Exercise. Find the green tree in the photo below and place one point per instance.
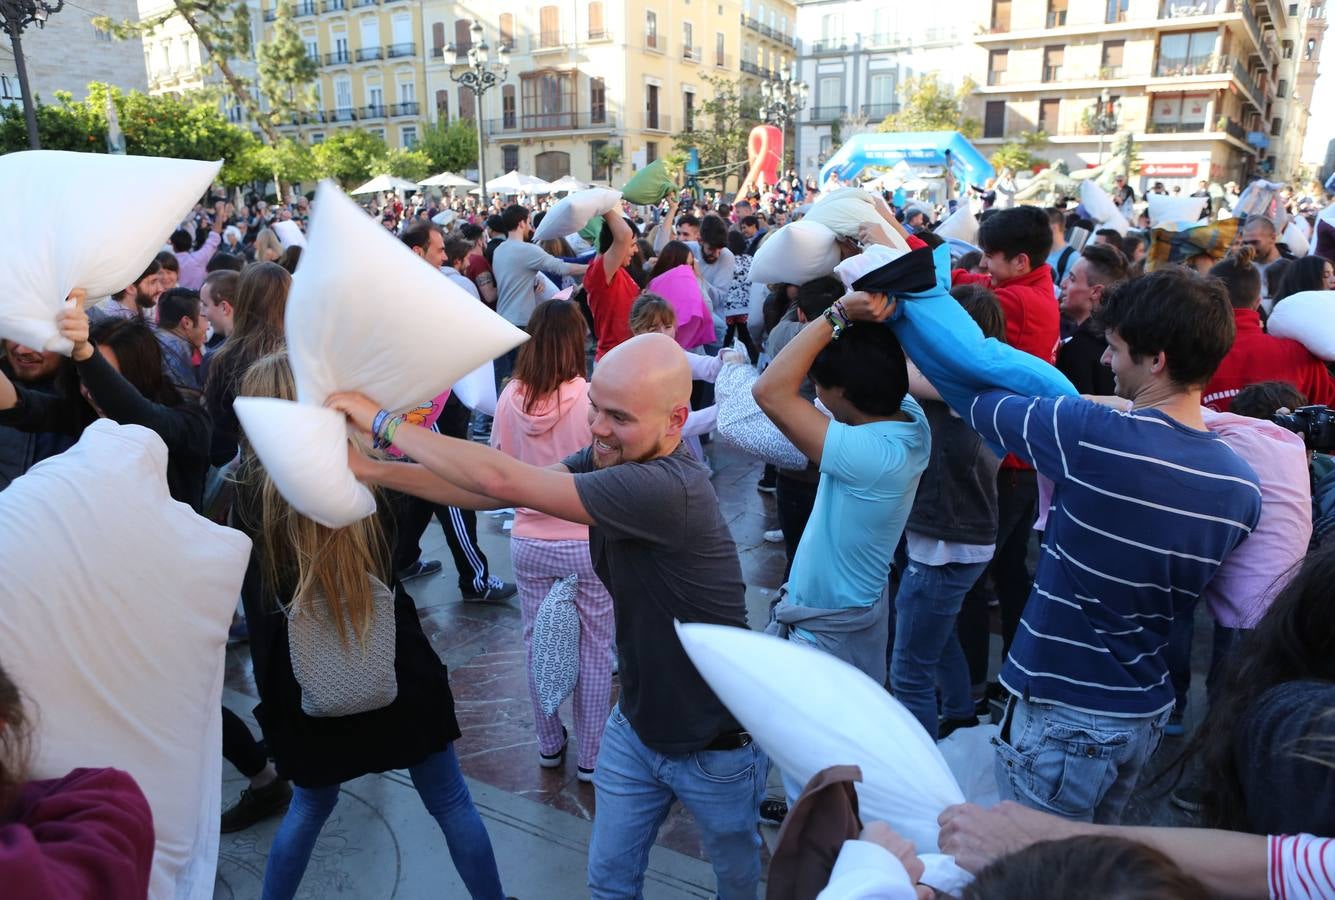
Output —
(286, 74)
(720, 131)
(349, 156)
(413, 165)
(287, 162)
(1019, 153)
(451, 147)
(65, 126)
(929, 105)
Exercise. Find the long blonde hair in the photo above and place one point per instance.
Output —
(333, 562)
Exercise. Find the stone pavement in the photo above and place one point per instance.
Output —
(381, 843)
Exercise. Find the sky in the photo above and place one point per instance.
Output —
(1321, 125)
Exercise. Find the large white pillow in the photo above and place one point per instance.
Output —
(843, 210)
(477, 389)
(1295, 238)
(809, 710)
(1101, 208)
(83, 220)
(1307, 317)
(290, 234)
(795, 254)
(574, 211)
(364, 314)
(117, 600)
(961, 225)
(1178, 210)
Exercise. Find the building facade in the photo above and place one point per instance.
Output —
(855, 56)
(1194, 83)
(1300, 53)
(69, 53)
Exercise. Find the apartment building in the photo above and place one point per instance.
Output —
(1300, 52)
(69, 53)
(855, 55)
(1193, 81)
(584, 76)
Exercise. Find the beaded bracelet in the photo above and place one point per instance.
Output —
(391, 428)
(838, 319)
(378, 424)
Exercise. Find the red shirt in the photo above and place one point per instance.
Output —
(1033, 318)
(1256, 356)
(610, 304)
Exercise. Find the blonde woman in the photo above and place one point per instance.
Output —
(267, 246)
(348, 682)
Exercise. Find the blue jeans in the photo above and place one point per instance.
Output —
(635, 787)
(441, 786)
(1077, 765)
(1181, 636)
(927, 649)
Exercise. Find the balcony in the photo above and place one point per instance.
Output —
(270, 15)
(598, 35)
(367, 54)
(1056, 18)
(1182, 66)
(657, 122)
(307, 8)
(751, 68)
(1175, 128)
(1051, 74)
(547, 42)
(1254, 93)
(409, 108)
(397, 51)
(1190, 9)
(653, 44)
(829, 45)
(338, 58)
(886, 41)
(875, 112)
(691, 54)
(722, 61)
(821, 114)
(314, 57)
(357, 4)
(335, 5)
(996, 78)
(345, 114)
(374, 111)
(557, 121)
(235, 114)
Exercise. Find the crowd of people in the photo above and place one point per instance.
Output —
(1187, 464)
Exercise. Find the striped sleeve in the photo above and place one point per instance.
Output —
(1041, 431)
(1301, 867)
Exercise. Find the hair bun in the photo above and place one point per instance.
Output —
(1244, 255)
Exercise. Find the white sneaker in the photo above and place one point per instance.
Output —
(774, 537)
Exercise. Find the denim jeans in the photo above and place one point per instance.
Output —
(1181, 636)
(441, 786)
(635, 787)
(1077, 765)
(927, 650)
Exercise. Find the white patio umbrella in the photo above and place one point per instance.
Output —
(448, 180)
(514, 183)
(567, 183)
(385, 183)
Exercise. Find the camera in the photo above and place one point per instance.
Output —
(1315, 423)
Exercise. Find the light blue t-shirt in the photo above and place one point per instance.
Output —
(868, 478)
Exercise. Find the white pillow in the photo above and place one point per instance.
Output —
(289, 234)
(1179, 210)
(962, 225)
(114, 624)
(1101, 208)
(445, 217)
(477, 389)
(364, 314)
(869, 260)
(1307, 317)
(55, 235)
(574, 211)
(795, 254)
(741, 422)
(843, 210)
(1295, 238)
(809, 710)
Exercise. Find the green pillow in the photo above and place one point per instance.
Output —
(650, 184)
(591, 231)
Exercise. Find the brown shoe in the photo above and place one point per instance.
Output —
(256, 805)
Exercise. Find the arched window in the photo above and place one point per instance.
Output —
(552, 165)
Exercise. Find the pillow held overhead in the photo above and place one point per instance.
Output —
(289, 234)
(46, 252)
(650, 184)
(795, 254)
(843, 210)
(1101, 207)
(1179, 210)
(1307, 317)
(575, 211)
(379, 321)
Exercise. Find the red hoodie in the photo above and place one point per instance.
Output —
(1256, 356)
(1033, 319)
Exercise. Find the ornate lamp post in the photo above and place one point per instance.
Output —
(475, 72)
(1104, 120)
(781, 98)
(16, 15)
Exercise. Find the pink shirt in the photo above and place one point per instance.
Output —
(193, 262)
(557, 427)
(1250, 577)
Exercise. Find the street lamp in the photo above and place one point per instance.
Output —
(1104, 120)
(781, 98)
(16, 15)
(475, 72)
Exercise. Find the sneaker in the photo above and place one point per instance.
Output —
(773, 812)
(419, 569)
(1175, 726)
(774, 537)
(554, 760)
(1189, 798)
(494, 589)
(768, 484)
(584, 775)
(947, 727)
(256, 805)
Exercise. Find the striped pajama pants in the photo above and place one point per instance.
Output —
(538, 565)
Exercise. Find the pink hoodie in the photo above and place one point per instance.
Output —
(555, 429)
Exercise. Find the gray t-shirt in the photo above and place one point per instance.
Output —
(661, 547)
(515, 264)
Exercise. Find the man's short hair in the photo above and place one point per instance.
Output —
(750, 222)
(457, 250)
(818, 295)
(688, 219)
(224, 262)
(1112, 235)
(154, 267)
(984, 307)
(222, 286)
(496, 223)
(470, 231)
(605, 236)
(1056, 217)
(514, 216)
(868, 363)
(1177, 312)
(418, 235)
(713, 232)
(1264, 224)
(1022, 229)
(181, 240)
(177, 304)
(1105, 263)
(167, 259)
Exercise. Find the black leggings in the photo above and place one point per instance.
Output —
(239, 747)
(743, 335)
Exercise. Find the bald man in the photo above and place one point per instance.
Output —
(661, 547)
